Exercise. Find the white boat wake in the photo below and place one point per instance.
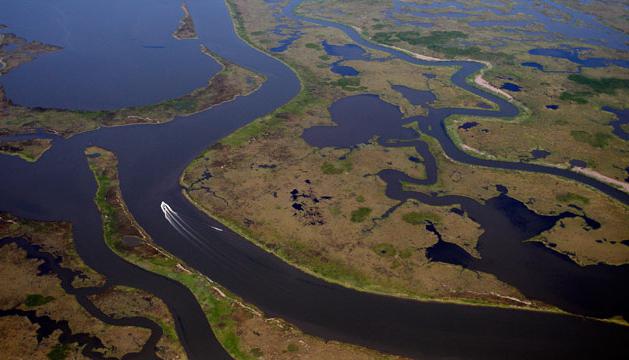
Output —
(178, 223)
(182, 227)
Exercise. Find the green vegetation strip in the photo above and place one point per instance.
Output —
(219, 310)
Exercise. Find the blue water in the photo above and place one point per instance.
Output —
(552, 107)
(416, 97)
(622, 118)
(103, 64)
(346, 52)
(290, 37)
(468, 125)
(534, 65)
(290, 32)
(511, 87)
(573, 55)
(578, 163)
(539, 154)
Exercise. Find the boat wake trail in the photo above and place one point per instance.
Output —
(180, 225)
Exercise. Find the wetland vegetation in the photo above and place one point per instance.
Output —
(340, 247)
(43, 296)
(350, 181)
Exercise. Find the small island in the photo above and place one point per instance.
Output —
(185, 30)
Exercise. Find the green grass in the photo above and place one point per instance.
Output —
(59, 352)
(420, 218)
(33, 300)
(602, 85)
(598, 140)
(257, 352)
(385, 250)
(322, 265)
(572, 198)
(416, 38)
(444, 42)
(303, 101)
(292, 347)
(578, 97)
(360, 214)
(108, 212)
(337, 168)
(313, 46)
(406, 253)
(348, 83)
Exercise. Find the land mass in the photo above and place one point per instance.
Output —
(186, 29)
(41, 272)
(335, 217)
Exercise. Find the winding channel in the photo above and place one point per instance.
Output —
(151, 158)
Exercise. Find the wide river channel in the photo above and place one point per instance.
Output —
(60, 186)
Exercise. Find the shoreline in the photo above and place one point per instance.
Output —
(223, 63)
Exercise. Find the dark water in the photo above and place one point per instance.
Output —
(151, 160)
(107, 60)
(288, 31)
(534, 65)
(578, 163)
(622, 118)
(90, 344)
(468, 125)
(414, 96)
(511, 87)
(552, 107)
(346, 52)
(539, 154)
(574, 55)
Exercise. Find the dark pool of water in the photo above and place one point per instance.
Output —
(534, 65)
(468, 125)
(511, 87)
(539, 154)
(552, 107)
(578, 163)
(415, 159)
